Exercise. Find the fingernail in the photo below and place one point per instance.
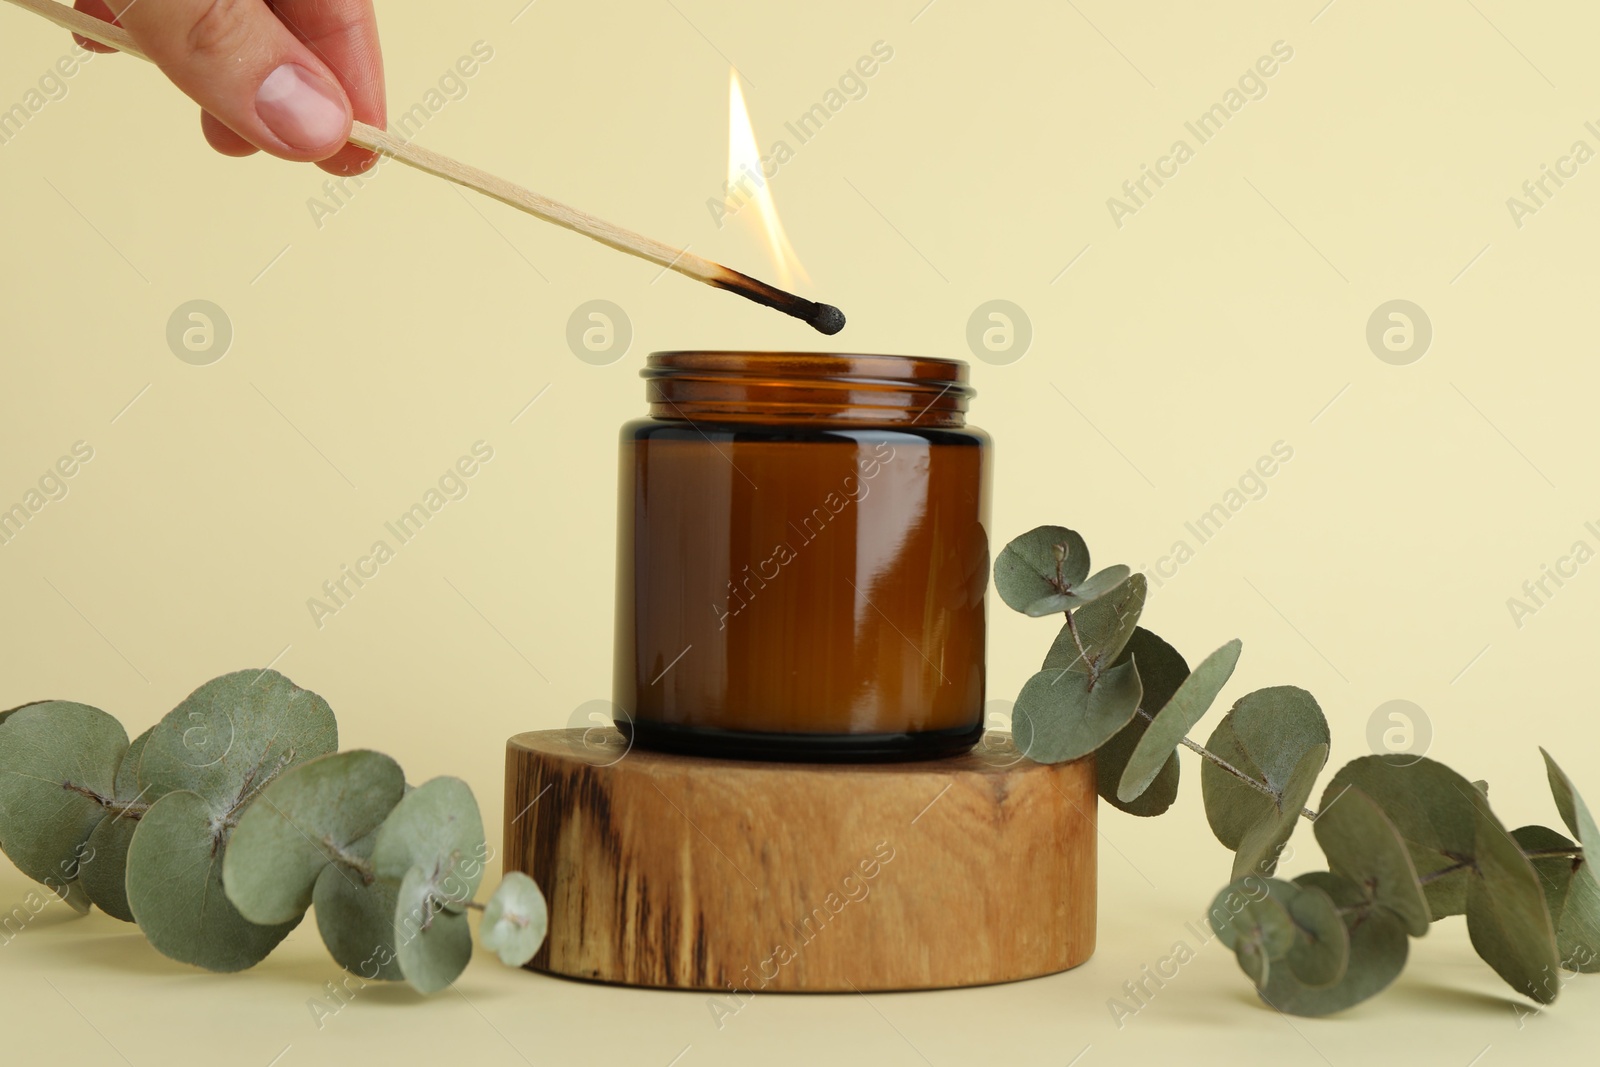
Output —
(304, 111)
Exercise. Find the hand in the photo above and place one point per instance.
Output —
(282, 76)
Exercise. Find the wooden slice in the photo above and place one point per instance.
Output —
(690, 873)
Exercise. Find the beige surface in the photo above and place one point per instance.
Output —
(1221, 318)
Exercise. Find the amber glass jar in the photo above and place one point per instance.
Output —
(802, 558)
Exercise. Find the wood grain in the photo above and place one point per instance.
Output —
(742, 877)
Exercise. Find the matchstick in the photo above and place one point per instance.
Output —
(823, 317)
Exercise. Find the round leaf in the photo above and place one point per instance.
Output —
(1191, 701)
(1507, 918)
(104, 870)
(234, 735)
(1363, 845)
(434, 944)
(356, 920)
(436, 827)
(1265, 734)
(1321, 951)
(1104, 628)
(175, 889)
(58, 766)
(1377, 955)
(307, 818)
(1063, 719)
(1262, 843)
(1035, 567)
(1432, 807)
(1573, 901)
(1574, 813)
(514, 920)
(1161, 671)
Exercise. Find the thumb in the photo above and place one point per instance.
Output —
(239, 62)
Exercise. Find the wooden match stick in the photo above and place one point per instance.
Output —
(824, 317)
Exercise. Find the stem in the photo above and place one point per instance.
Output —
(1553, 853)
(1083, 653)
(1222, 764)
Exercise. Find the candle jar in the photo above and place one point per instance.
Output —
(802, 558)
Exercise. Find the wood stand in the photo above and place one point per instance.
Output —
(689, 873)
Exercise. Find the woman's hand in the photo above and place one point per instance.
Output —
(282, 76)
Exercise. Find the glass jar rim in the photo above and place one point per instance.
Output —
(731, 384)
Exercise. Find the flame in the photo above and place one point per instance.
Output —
(747, 184)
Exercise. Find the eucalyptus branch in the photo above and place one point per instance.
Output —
(1222, 764)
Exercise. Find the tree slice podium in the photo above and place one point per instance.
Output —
(688, 873)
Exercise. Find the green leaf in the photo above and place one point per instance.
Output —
(357, 920)
(58, 766)
(1377, 954)
(73, 896)
(1161, 671)
(1191, 701)
(1104, 628)
(234, 735)
(309, 817)
(1037, 566)
(4, 715)
(175, 888)
(1507, 918)
(436, 827)
(435, 944)
(1432, 807)
(1262, 843)
(1573, 901)
(1058, 718)
(1574, 813)
(514, 920)
(104, 871)
(1363, 845)
(1321, 951)
(1265, 734)
(1251, 921)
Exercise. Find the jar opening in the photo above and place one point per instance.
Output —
(806, 387)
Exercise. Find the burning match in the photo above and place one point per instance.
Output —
(824, 318)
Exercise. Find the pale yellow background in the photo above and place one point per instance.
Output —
(1223, 317)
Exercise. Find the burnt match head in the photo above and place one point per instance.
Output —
(826, 318)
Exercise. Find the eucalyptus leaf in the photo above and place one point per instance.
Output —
(1575, 813)
(73, 896)
(58, 766)
(436, 828)
(307, 818)
(1573, 901)
(1039, 565)
(1104, 628)
(1363, 845)
(1262, 843)
(104, 870)
(1161, 671)
(175, 888)
(233, 736)
(434, 944)
(1253, 922)
(1063, 719)
(357, 919)
(514, 920)
(103, 875)
(1321, 951)
(1377, 954)
(1432, 807)
(1265, 735)
(1172, 724)
(1507, 918)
